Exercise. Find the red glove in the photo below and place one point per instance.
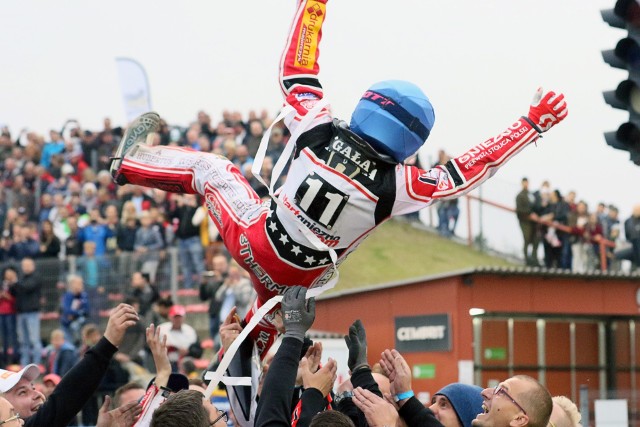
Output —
(547, 110)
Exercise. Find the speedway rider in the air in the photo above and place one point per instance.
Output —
(345, 179)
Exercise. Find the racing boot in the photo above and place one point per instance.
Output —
(136, 134)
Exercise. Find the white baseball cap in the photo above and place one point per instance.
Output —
(8, 379)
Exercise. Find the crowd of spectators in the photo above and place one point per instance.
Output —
(571, 233)
(73, 242)
(297, 385)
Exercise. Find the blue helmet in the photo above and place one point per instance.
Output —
(395, 117)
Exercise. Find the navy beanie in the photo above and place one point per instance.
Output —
(465, 399)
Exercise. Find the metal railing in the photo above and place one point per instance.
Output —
(602, 243)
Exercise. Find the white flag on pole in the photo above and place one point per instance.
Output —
(134, 86)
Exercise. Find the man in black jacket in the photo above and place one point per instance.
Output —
(28, 290)
(190, 248)
(77, 386)
(525, 203)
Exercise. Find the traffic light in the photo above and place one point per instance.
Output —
(626, 55)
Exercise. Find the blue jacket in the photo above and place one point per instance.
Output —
(74, 307)
(65, 358)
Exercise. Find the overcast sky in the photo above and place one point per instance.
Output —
(478, 61)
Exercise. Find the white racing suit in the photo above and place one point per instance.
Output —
(337, 186)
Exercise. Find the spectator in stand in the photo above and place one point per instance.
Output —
(145, 293)
(141, 200)
(112, 220)
(28, 292)
(236, 291)
(105, 182)
(570, 198)
(448, 210)
(96, 231)
(242, 157)
(542, 198)
(55, 145)
(632, 233)
(22, 197)
(147, 245)
(525, 203)
(89, 196)
(580, 238)
(24, 245)
(556, 242)
(95, 272)
(601, 211)
(60, 355)
(106, 143)
(610, 221)
(161, 308)
(75, 309)
(73, 243)
(8, 326)
(180, 335)
(4, 207)
(59, 205)
(161, 200)
(253, 137)
(48, 258)
(276, 144)
(46, 206)
(126, 237)
(190, 251)
(208, 289)
(74, 203)
(594, 234)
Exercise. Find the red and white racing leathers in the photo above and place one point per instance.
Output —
(336, 186)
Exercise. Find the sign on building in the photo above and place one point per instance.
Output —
(423, 333)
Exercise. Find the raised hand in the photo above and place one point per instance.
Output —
(313, 356)
(120, 318)
(547, 109)
(357, 345)
(377, 411)
(230, 329)
(158, 347)
(398, 371)
(123, 416)
(323, 379)
(297, 314)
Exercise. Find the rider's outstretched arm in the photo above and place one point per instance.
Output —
(418, 188)
(299, 66)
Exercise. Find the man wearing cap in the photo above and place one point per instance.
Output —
(49, 383)
(76, 387)
(457, 404)
(180, 336)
